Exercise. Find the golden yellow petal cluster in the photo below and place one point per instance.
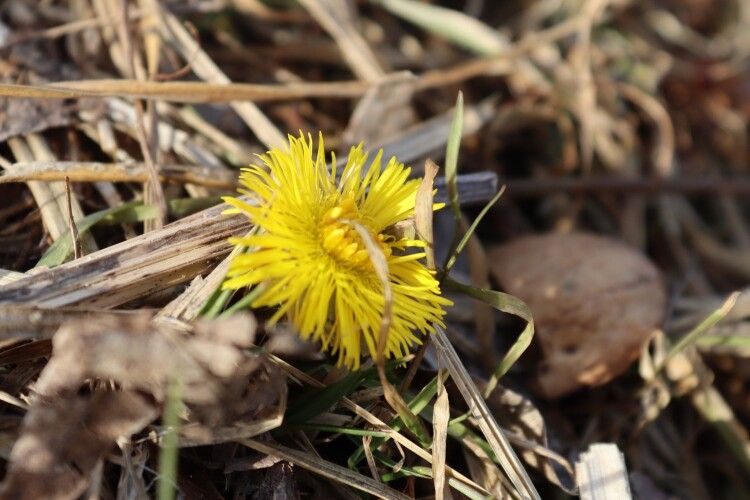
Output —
(313, 264)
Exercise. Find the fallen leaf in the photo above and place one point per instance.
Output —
(63, 438)
(595, 302)
(74, 419)
(525, 422)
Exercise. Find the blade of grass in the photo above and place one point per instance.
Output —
(451, 162)
(216, 303)
(705, 325)
(62, 250)
(455, 26)
(739, 342)
(244, 302)
(453, 255)
(423, 472)
(335, 429)
(508, 304)
(316, 402)
(170, 441)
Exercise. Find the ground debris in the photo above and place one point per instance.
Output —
(108, 379)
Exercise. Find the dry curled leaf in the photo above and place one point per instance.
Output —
(595, 302)
(64, 438)
(74, 420)
(529, 434)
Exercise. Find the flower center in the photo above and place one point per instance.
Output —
(340, 238)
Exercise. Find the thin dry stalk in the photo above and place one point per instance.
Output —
(152, 189)
(440, 416)
(79, 171)
(52, 215)
(380, 264)
(510, 463)
(366, 442)
(325, 469)
(423, 211)
(205, 68)
(71, 222)
(186, 92)
(335, 17)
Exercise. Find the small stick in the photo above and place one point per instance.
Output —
(71, 222)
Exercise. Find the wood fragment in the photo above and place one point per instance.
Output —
(134, 268)
(602, 475)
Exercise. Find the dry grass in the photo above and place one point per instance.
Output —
(125, 372)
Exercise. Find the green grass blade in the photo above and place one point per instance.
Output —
(453, 255)
(451, 158)
(336, 429)
(135, 211)
(416, 405)
(464, 31)
(216, 302)
(509, 304)
(62, 249)
(422, 472)
(168, 457)
(245, 301)
(705, 325)
(316, 402)
(739, 342)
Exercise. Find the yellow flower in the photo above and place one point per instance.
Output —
(312, 262)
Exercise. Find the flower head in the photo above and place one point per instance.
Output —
(314, 265)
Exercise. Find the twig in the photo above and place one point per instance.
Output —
(186, 92)
(521, 188)
(153, 192)
(342, 29)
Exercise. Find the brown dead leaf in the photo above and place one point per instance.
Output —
(525, 421)
(24, 116)
(229, 394)
(595, 303)
(64, 438)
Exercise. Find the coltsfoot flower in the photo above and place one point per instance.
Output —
(313, 264)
